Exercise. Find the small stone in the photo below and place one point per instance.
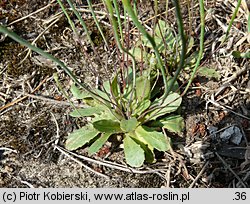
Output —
(226, 135)
(232, 134)
(237, 136)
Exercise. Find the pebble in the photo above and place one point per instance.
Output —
(232, 134)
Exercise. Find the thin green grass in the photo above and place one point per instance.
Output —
(129, 9)
(72, 25)
(97, 23)
(200, 55)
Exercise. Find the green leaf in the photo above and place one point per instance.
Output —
(85, 112)
(141, 107)
(80, 137)
(238, 54)
(175, 87)
(142, 91)
(127, 92)
(152, 138)
(107, 115)
(142, 88)
(114, 86)
(170, 104)
(149, 153)
(191, 60)
(128, 125)
(106, 86)
(208, 72)
(170, 40)
(99, 143)
(129, 75)
(134, 154)
(107, 126)
(79, 94)
(139, 54)
(160, 28)
(146, 42)
(174, 123)
(103, 95)
(190, 44)
(91, 102)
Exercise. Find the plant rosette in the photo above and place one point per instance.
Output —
(147, 114)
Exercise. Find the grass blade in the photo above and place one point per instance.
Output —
(96, 22)
(202, 17)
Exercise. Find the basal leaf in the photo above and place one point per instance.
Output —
(139, 54)
(106, 86)
(114, 86)
(104, 95)
(190, 44)
(127, 92)
(175, 87)
(85, 112)
(191, 60)
(164, 32)
(134, 154)
(146, 42)
(152, 138)
(91, 102)
(141, 107)
(160, 28)
(208, 72)
(170, 104)
(173, 123)
(107, 126)
(106, 115)
(128, 125)
(79, 94)
(160, 44)
(142, 88)
(80, 137)
(99, 143)
(148, 152)
(129, 76)
(170, 40)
